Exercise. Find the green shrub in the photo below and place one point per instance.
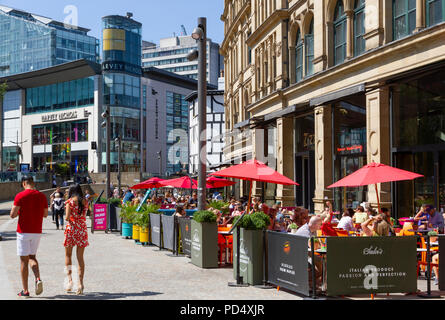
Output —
(255, 221)
(204, 216)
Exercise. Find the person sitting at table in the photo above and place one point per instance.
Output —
(238, 211)
(326, 228)
(345, 222)
(435, 260)
(304, 217)
(180, 212)
(422, 216)
(309, 230)
(360, 215)
(379, 226)
(435, 219)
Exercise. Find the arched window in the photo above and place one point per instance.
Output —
(339, 33)
(404, 17)
(435, 12)
(309, 49)
(299, 58)
(359, 27)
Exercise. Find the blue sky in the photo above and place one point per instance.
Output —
(160, 18)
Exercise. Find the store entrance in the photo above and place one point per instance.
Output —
(409, 196)
(305, 176)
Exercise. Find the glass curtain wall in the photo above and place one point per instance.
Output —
(418, 122)
(122, 60)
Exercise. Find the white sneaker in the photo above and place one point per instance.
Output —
(39, 287)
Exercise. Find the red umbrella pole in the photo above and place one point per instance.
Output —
(377, 194)
(250, 198)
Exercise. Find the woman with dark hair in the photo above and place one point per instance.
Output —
(76, 234)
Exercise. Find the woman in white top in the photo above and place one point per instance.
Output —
(346, 220)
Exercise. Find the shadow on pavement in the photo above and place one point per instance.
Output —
(103, 296)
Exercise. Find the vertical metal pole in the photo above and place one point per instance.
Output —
(108, 151)
(202, 114)
(119, 166)
(314, 279)
(428, 266)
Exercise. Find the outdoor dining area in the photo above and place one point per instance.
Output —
(361, 251)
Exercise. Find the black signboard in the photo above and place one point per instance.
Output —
(155, 225)
(288, 261)
(366, 265)
(185, 226)
(168, 232)
(441, 263)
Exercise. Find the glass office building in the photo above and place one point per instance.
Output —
(177, 132)
(31, 42)
(121, 66)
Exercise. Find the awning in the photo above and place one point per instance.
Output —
(251, 121)
(74, 70)
(337, 95)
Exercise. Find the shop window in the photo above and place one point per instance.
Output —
(359, 27)
(309, 49)
(419, 112)
(349, 137)
(299, 58)
(404, 18)
(339, 33)
(435, 12)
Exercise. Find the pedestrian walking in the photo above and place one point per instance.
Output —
(30, 206)
(58, 206)
(76, 235)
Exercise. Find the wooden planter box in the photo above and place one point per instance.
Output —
(204, 245)
(251, 258)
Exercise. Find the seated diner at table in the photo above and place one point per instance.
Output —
(360, 215)
(346, 220)
(379, 226)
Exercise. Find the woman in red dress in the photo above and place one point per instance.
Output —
(76, 234)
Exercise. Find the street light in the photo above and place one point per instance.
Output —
(118, 141)
(200, 35)
(106, 124)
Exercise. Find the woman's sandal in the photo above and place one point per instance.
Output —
(69, 287)
(79, 291)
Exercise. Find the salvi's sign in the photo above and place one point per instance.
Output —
(365, 265)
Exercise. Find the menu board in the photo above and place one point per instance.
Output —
(100, 217)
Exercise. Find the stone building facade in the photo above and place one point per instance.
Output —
(319, 88)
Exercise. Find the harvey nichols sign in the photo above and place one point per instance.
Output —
(60, 116)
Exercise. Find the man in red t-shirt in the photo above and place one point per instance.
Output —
(31, 206)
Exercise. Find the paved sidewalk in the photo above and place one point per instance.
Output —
(120, 269)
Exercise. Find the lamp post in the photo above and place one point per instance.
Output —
(106, 124)
(200, 35)
(119, 147)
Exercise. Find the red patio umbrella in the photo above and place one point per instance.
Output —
(375, 173)
(254, 170)
(214, 183)
(149, 184)
(180, 183)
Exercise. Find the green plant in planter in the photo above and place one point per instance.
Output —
(204, 216)
(142, 219)
(128, 213)
(255, 221)
(219, 205)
